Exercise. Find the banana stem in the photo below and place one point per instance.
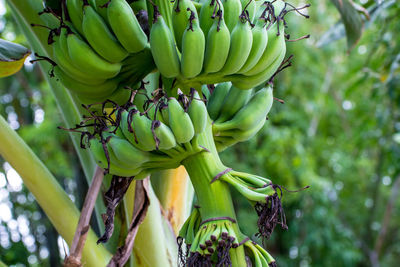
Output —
(214, 198)
(49, 194)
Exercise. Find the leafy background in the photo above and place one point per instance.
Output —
(338, 131)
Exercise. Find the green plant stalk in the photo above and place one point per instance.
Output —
(49, 194)
(24, 14)
(214, 198)
(155, 243)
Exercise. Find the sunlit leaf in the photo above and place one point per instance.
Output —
(351, 19)
(12, 57)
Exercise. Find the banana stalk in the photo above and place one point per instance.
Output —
(49, 194)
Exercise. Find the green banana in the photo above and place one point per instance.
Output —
(120, 96)
(260, 41)
(166, 138)
(165, 114)
(86, 90)
(98, 152)
(83, 57)
(214, 104)
(250, 115)
(233, 102)
(141, 126)
(180, 18)
(179, 122)
(193, 45)
(208, 13)
(100, 6)
(63, 61)
(233, 9)
(127, 153)
(247, 82)
(276, 43)
(251, 7)
(75, 13)
(218, 43)
(125, 26)
(100, 38)
(163, 48)
(240, 135)
(241, 42)
(198, 113)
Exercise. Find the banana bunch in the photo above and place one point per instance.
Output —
(99, 49)
(204, 238)
(237, 114)
(152, 133)
(242, 41)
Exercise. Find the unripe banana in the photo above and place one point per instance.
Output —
(179, 122)
(98, 152)
(180, 18)
(127, 153)
(100, 90)
(216, 100)
(260, 41)
(247, 82)
(251, 7)
(166, 139)
(100, 6)
(218, 43)
(193, 45)
(64, 62)
(208, 14)
(233, 102)
(275, 43)
(241, 41)
(82, 56)
(120, 96)
(232, 11)
(198, 113)
(75, 13)
(163, 48)
(100, 37)
(125, 26)
(251, 114)
(141, 126)
(165, 114)
(241, 136)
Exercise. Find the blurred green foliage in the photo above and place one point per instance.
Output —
(338, 131)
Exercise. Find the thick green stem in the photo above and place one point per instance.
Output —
(49, 194)
(214, 198)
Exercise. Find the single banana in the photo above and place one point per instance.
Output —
(240, 135)
(75, 13)
(260, 41)
(179, 122)
(96, 147)
(251, 114)
(142, 128)
(247, 82)
(217, 97)
(83, 57)
(241, 42)
(208, 13)
(86, 90)
(99, 36)
(127, 153)
(250, 6)
(193, 45)
(218, 43)
(164, 135)
(180, 18)
(233, 102)
(125, 26)
(163, 48)
(198, 113)
(232, 11)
